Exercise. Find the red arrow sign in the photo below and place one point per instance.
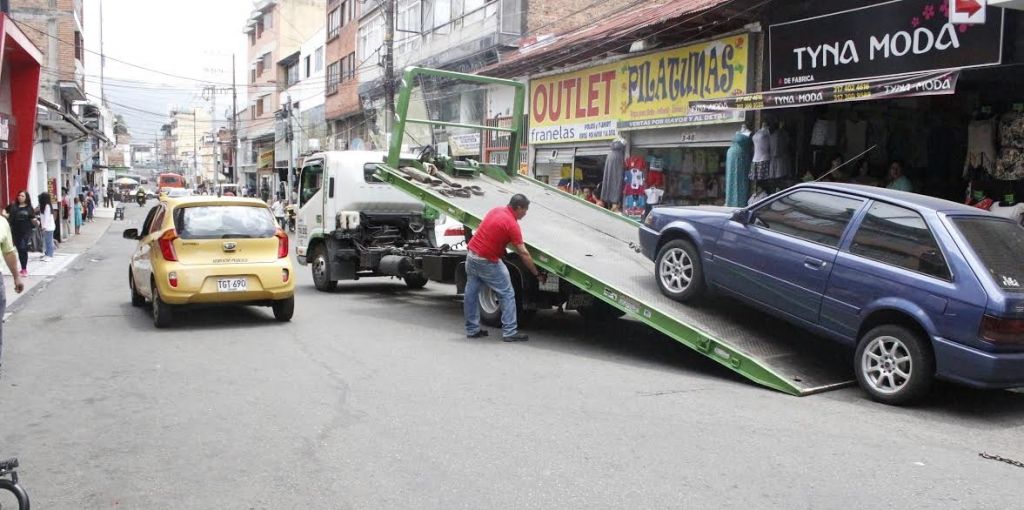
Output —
(968, 6)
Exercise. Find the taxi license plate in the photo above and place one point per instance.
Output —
(232, 285)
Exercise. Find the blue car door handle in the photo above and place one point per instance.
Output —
(813, 263)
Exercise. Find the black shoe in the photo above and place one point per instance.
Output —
(479, 334)
(518, 337)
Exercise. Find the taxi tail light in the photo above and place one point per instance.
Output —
(282, 244)
(1002, 331)
(166, 243)
(172, 278)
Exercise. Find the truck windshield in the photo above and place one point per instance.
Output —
(999, 244)
(224, 222)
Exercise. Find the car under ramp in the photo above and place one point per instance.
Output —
(595, 250)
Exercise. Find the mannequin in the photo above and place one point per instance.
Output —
(761, 164)
(737, 168)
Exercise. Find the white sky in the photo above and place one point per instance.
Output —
(193, 39)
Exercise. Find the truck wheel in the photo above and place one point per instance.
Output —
(894, 364)
(490, 309)
(600, 312)
(321, 270)
(415, 280)
(679, 271)
(284, 309)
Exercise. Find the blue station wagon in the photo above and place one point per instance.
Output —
(921, 287)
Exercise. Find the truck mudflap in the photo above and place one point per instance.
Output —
(595, 250)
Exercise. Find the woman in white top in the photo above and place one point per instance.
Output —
(278, 209)
(48, 223)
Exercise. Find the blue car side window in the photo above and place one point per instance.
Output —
(816, 217)
(899, 237)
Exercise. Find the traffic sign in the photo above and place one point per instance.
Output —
(968, 12)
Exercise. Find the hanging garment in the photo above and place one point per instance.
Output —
(634, 182)
(782, 159)
(762, 145)
(1011, 130)
(856, 138)
(737, 170)
(824, 133)
(614, 166)
(1010, 164)
(981, 147)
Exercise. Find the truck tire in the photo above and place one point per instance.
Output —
(490, 308)
(415, 280)
(894, 364)
(679, 271)
(321, 269)
(600, 312)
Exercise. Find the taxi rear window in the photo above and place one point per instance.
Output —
(224, 222)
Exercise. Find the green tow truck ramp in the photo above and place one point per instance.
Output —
(594, 249)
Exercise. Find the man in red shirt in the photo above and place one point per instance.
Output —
(484, 266)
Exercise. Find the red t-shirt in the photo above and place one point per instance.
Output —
(499, 229)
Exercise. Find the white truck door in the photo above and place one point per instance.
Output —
(310, 220)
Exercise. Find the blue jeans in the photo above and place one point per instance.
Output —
(480, 271)
(48, 243)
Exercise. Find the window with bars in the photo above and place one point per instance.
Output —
(333, 77)
(333, 23)
(348, 67)
(293, 74)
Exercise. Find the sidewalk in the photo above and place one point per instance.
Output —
(41, 272)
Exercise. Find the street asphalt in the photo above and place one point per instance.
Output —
(372, 397)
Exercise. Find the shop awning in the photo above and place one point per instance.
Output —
(921, 84)
(616, 34)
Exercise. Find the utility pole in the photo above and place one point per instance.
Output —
(234, 124)
(195, 147)
(389, 67)
(289, 137)
(103, 60)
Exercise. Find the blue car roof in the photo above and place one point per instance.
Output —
(912, 200)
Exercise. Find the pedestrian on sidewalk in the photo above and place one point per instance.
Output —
(8, 249)
(65, 215)
(78, 215)
(23, 222)
(90, 205)
(49, 225)
(484, 266)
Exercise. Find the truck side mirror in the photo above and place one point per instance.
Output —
(741, 216)
(131, 233)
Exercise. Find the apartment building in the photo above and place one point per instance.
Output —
(275, 29)
(344, 112)
(69, 150)
(457, 35)
(192, 147)
(301, 129)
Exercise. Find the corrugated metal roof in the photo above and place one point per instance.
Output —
(616, 34)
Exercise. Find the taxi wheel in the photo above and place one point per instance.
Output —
(162, 312)
(284, 309)
(137, 299)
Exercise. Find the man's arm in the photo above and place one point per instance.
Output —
(524, 255)
(11, 258)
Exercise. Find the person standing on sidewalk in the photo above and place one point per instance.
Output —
(90, 205)
(22, 218)
(78, 215)
(49, 224)
(484, 266)
(8, 250)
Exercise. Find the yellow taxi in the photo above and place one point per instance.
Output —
(205, 250)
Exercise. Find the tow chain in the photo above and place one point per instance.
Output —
(1001, 459)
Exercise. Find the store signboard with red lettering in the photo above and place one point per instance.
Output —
(887, 39)
(649, 91)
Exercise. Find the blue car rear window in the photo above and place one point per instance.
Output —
(1000, 246)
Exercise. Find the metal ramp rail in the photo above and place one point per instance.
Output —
(592, 248)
